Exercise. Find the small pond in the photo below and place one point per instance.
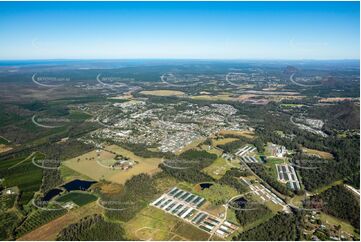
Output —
(240, 202)
(78, 185)
(205, 185)
(52, 193)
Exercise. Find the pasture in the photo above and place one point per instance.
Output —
(94, 164)
(154, 224)
(219, 167)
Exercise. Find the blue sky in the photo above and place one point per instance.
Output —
(201, 30)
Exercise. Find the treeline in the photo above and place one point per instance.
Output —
(135, 195)
(346, 164)
(92, 228)
(315, 172)
(261, 172)
(251, 213)
(231, 178)
(280, 227)
(339, 202)
(233, 146)
(340, 116)
(142, 150)
(189, 165)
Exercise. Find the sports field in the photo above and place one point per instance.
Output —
(94, 164)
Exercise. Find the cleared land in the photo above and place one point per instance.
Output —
(224, 141)
(87, 164)
(50, 230)
(335, 221)
(244, 133)
(154, 224)
(163, 93)
(4, 148)
(219, 167)
(322, 154)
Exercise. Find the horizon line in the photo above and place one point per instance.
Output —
(199, 59)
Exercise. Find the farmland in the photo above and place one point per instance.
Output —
(88, 164)
(50, 230)
(154, 224)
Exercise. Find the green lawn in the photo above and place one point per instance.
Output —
(79, 198)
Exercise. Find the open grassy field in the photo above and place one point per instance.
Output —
(243, 133)
(162, 93)
(68, 174)
(223, 141)
(219, 167)
(79, 198)
(87, 164)
(212, 150)
(154, 224)
(331, 220)
(192, 145)
(322, 154)
(50, 230)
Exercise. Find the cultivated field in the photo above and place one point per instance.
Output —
(88, 165)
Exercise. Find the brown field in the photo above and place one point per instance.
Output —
(322, 154)
(4, 148)
(163, 93)
(216, 142)
(244, 133)
(335, 99)
(50, 230)
(109, 188)
(87, 165)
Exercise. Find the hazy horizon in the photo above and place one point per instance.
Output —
(180, 30)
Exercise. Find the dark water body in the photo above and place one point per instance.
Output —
(240, 202)
(52, 193)
(263, 158)
(78, 185)
(205, 185)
